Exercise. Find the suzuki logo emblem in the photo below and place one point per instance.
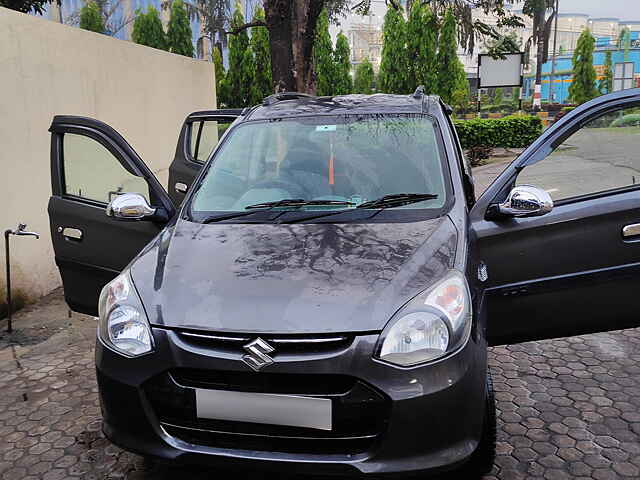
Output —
(257, 354)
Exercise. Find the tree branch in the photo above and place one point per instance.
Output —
(257, 23)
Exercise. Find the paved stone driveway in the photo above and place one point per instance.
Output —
(568, 408)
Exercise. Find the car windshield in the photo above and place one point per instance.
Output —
(346, 161)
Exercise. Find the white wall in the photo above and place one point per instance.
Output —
(46, 69)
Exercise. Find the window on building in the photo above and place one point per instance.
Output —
(623, 76)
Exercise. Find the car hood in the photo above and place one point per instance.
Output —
(297, 278)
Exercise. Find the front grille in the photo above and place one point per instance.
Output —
(283, 344)
(318, 385)
(360, 412)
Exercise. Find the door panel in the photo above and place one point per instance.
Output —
(200, 134)
(571, 271)
(91, 163)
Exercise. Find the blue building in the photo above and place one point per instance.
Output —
(626, 72)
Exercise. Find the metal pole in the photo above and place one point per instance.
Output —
(6, 249)
(553, 58)
(20, 231)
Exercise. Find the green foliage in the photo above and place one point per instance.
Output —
(498, 97)
(632, 120)
(393, 65)
(624, 42)
(461, 92)
(147, 29)
(605, 84)
(363, 82)
(447, 59)
(179, 30)
(583, 87)
(343, 85)
(222, 95)
(247, 77)
(28, 6)
(237, 75)
(263, 83)
(324, 65)
(422, 43)
(91, 18)
(515, 131)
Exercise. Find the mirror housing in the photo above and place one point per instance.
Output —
(130, 206)
(526, 201)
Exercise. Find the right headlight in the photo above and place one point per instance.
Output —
(433, 324)
(123, 324)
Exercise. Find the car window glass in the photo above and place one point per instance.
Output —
(602, 155)
(92, 172)
(352, 158)
(205, 135)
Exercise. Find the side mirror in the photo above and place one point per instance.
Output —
(130, 206)
(526, 201)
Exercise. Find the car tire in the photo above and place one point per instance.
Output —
(482, 459)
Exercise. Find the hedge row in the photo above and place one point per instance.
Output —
(632, 120)
(515, 131)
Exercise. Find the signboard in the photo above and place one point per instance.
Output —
(500, 72)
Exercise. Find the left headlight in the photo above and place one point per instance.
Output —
(433, 324)
(123, 324)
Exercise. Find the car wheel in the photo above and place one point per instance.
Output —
(482, 459)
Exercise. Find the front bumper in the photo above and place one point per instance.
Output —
(429, 419)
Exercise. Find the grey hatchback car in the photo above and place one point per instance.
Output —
(318, 291)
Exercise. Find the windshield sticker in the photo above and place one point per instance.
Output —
(325, 128)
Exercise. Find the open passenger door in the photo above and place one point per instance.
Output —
(200, 134)
(91, 164)
(574, 269)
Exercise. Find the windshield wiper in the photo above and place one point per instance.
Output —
(398, 200)
(262, 207)
(298, 202)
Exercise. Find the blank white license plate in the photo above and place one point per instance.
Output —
(266, 408)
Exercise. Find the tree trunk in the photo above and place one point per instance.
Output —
(292, 27)
(539, 24)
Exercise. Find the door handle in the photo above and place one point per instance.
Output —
(181, 187)
(631, 230)
(71, 233)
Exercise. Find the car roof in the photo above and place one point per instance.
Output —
(294, 104)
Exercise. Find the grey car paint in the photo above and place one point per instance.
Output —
(299, 278)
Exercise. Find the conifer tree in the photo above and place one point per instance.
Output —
(147, 29)
(583, 87)
(324, 64)
(461, 92)
(222, 96)
(344, 84)
(422, 44)
(91, 18)
(363, 82)
(238, 88)
(179, 30)
(447, 58)
(605, 85)
(262, 57)
(393, 76)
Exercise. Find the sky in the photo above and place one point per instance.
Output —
(622, 9)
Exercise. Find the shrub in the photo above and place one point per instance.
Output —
(515, 131)
(632, 120)
(478, 154)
